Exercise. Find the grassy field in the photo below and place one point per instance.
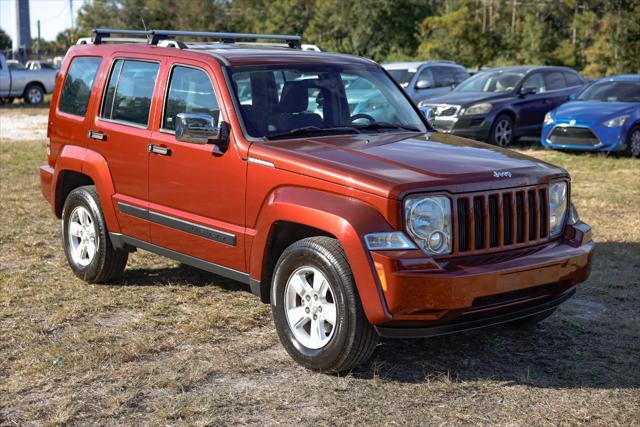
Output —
(170, 345)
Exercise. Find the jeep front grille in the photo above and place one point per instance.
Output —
(498, 220)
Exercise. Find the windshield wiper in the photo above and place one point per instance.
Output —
(311, 129)
(384, 125)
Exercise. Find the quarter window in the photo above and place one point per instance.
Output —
(190, 91)
(130, 90)
(77, 86)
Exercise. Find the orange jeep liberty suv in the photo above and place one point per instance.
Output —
(312, 178)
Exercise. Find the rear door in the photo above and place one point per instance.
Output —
(557, 91)
(196, 197)
(121, 134)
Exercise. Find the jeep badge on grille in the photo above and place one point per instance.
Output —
(505, 174)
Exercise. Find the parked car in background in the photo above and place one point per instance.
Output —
(18, 82)
(502, 104)
(425, 80)
(605, 116)
(40, 65)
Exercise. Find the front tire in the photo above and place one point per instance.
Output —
(502, 131)
(633, 145)
(316, 307)
(85, 238)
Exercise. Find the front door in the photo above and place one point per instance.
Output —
(196, 197)
(532, 107)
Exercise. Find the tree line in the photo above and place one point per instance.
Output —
(596, 37)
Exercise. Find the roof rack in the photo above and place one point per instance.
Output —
(154, 37)
(99, 34)
(157, 35)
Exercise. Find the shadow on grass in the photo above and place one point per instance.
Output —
(183, 275)
(568, 350)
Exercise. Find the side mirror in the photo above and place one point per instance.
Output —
(200, 128)
(423, 84)
(528, 91)
(573, 97)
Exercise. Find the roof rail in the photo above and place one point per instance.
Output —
(157, 35)
(105, 33)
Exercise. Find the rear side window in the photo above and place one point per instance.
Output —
(129, 92)
(444, 76)
(573, 79)
(190, 91)
(554, 80)
(77, 86)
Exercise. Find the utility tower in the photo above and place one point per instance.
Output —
(22, 41)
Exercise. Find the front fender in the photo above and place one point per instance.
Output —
(90, 163)
(346, 218)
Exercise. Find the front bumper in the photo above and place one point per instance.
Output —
(598, 137)
(473, 127)
(441, 296)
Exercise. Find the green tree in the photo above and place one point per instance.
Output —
(5, 40)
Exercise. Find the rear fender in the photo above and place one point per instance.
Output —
(346, 218)
(92, 164)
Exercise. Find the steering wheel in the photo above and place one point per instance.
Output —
(362, 116)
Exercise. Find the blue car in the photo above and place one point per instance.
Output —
(605, 116)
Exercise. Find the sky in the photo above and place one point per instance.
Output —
(54, 16)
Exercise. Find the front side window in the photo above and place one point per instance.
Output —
(402, 75)
(612, 91)
(77, 86)
(279, 101)
(426, 75)
(535, 82)
(129, 91)
(190, 91)
(491, 81)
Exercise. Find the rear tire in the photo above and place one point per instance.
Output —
(502, 131)
(313, 279)
(85, 238)
(633, 145)
(33, 94)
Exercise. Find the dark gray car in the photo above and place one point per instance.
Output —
(425, 80)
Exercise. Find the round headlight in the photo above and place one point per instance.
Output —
(429, 223)
(557, 206)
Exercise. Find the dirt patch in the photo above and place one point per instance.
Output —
(15, 126)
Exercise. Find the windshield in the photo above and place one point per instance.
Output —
(403, 77)
(612, 92)
(491, 81)
(297, 100)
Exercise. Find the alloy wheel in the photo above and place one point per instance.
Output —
(83, 238)
(34, 95)
(310, 307)
(503, 133)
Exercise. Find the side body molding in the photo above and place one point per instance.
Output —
(92, 164)
(346, 218)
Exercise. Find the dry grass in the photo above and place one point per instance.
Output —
(172, 345)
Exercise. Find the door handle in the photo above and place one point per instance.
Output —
(97, 135)
(156, 149)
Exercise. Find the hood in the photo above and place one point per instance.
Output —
(468, 98)
(393, 165)
(589, 112)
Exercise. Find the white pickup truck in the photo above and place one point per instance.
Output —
(22, 83)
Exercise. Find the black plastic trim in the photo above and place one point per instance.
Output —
(120, 241)
(400, 332)
(179, 224)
